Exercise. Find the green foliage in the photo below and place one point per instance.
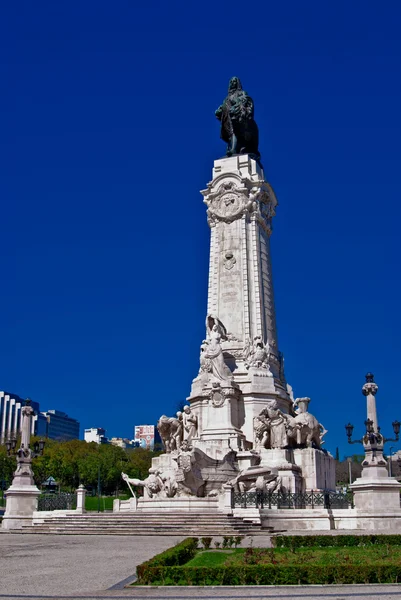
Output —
(269, 575)
(179, 555)
(352, 559)
(206, 542)
(74, 462)
(338, 541)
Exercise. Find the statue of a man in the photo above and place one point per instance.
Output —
(238, 127)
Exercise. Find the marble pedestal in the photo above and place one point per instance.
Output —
(318, 468)
(22, 502)
(376, 491)
(282, 461)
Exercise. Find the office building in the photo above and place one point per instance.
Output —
(95, 434)
(61, 427)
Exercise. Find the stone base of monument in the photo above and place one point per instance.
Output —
(318, 468)
(323, 519)
(22, 502)
(282, 462)
(184, 503)
(376, 494)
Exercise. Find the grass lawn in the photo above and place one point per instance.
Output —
(377, 555)
(106, 502)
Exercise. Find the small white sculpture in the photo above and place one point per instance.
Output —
(156, 485)
(190, 422)
(309, 431)
(171, 431)
(214, 352)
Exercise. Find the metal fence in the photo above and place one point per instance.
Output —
(61, 501)
(325, 499)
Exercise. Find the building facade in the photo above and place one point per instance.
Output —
(53, 424)
(95, 434)
(61, 427)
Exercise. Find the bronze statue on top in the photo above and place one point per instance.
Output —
(238, 127)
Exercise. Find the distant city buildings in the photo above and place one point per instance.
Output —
(144, 436)
(95, 434)
(122, 442)
(59, 426)
(53, 424)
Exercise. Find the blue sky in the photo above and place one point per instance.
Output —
(108, 134)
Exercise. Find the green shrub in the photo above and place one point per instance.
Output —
(179, 555)
(340, 541)
(206, 542)
(269, 575)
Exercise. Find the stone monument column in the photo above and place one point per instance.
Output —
(240, 207)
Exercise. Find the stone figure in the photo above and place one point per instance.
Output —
(171, 431)
(260, 479)
(238, 127)
(278, 428)
(309, 431)
(157, 485)
(214, 352)
(153, 484)
(257, 354)
(261, 429)
(274, 429)
(190, 421)
(205, 365)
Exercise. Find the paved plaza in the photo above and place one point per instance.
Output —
(88, 567)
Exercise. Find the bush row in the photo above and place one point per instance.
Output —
(268, 575)
(174, 557)
(321, 541)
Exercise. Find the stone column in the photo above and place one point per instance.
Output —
(22, 495)
(81, 493)
(375, 492)
(240, 208)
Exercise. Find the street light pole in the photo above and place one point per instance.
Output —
(390, 466)
(349, 469)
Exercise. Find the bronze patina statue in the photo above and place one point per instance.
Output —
(238, 127)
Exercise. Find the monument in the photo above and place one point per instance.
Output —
(242, 426)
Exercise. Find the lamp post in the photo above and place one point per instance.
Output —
(373, 440)
(390, 466)
(349, 459)
(22, 495)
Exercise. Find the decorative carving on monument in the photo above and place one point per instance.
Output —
(171, 431)
(214, 352)
(229, 260)
(257, 354)
(217, 396)
(205, 364)
(227, 203)
(188, 475)
(190, 422)
(256, 479)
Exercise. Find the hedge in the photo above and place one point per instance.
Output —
(267, 575)
(339, 541)
(174, 557)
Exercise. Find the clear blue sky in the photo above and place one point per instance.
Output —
(108, 134)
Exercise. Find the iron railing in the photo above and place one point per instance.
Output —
(61, 501)
(312, 499)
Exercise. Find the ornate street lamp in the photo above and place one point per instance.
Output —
(373, 441)
(25, 450)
